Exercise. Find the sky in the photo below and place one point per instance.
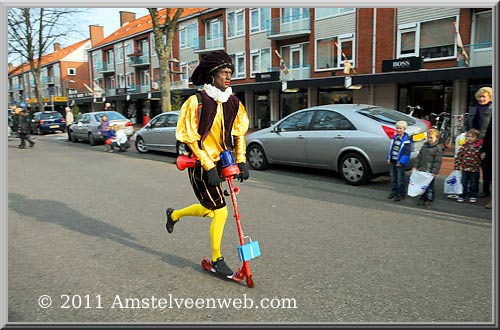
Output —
(110, 17)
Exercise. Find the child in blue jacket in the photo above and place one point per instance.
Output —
(398, 158)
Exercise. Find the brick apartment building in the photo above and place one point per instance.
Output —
(398, 57)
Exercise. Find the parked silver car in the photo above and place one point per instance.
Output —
(352, 139)
(159, 134)
(86, 128)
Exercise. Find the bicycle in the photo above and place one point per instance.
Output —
(411, 110)
(442, 124)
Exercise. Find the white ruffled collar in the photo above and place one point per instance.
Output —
(217, 94)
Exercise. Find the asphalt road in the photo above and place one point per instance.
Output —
(86, 233)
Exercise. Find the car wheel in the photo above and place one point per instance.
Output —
(354, 169)
(140, 145)
(92, 140)
(257, 157)
(72, 137)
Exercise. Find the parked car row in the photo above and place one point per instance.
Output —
(86, 128)
(352, 139)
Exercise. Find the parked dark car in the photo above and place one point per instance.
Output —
(47, 121)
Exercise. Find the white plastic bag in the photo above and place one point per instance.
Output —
(419, 182)
(453, 183)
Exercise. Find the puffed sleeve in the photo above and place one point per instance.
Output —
(187, 125)
(187, 131)
(240, 128)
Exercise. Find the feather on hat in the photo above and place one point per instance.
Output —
(210, 63)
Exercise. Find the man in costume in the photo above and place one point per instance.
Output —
(220, 125)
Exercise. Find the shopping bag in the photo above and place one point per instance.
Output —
(459, 141)
(419, 182)
(453, 183)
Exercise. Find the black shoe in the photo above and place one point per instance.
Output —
(484, 194)
(20, 147)
(391, 196)
(398, 198)
(221, 268)
(32, 145)
(170, 222)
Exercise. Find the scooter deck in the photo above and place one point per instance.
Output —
(236, 277)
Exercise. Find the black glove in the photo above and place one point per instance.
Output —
(213, 178)
(244, 172)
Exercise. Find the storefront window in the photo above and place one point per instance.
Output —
(262, 117)
(291, 102)
(432, 98)
(335, 97)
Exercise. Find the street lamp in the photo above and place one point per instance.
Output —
(66, 82)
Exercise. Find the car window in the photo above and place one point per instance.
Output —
(52, 115)
(171, 121)
(331, 120)
(158, 121)
(297, 122)
(85, 119)
(112, 115)
(389, 116)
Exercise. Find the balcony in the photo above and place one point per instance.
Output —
(110, 92)
(479, 54)
(297, 72)
(179, 84)
(106, 67)
(145, 88)
(138, 60)
(47, 80)
(289, 27)
(205, 44)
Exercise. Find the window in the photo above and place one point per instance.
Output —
(331, 53)
(330, 12)
(235, 23)
(130, 80)
(110, 57)
(214, 29)
(239, 65)
(187, 69)
(483, 32)
(297, 122)
(260, 61)
(431, 39)
(259, 19)
(188, 34)
(294, 14)
(119, 55)
(71, 71)
(94, 61)
(331, 120)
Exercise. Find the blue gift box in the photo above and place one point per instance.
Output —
(249, 251)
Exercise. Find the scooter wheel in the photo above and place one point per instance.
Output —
(206, 264)
(249, 281)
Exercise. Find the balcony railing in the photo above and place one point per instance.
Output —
(179, 84)
(480, 54)
(289, 27)
(47, 80)
(297, 72)
(138, 60)
(145, 88)
(209, 43)
(106, 67)
(110, 92)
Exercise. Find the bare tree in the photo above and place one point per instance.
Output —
(164, 35)
(31, 33)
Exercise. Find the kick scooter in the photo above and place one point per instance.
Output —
(229, 171)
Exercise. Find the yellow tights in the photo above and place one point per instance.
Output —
(218, 216)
